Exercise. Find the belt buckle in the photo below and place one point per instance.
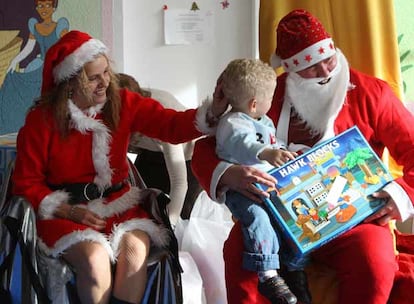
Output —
(85, 192)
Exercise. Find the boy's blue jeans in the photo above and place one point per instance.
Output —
(261, 240)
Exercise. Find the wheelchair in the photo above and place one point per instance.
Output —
(24, 275)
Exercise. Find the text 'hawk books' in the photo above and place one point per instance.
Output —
(326, 191)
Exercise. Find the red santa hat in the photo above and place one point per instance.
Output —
(67, 56)
(302, 42)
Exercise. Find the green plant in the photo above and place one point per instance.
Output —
(402, 58)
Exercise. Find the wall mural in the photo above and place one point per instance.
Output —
(22, 60)
(27, 29)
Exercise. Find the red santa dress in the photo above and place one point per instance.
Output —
(92, 153)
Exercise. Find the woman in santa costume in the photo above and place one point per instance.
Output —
(71, 166)
(318, 97)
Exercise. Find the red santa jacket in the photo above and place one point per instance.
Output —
(91, 152)
(370, 104)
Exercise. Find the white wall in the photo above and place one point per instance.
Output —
(187, 71)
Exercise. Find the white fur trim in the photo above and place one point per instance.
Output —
(311, 55)
(201, 118)
(215, 195)
(72, 63)
(129, 199)
(310, 99)
(158, 234)
(401, 199)
(59, 273)
(275, 61)
(79, 236)
(50, 202)
(101, 139)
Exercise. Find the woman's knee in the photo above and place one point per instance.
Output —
(91, 262)
(135, 244)
(90, 259)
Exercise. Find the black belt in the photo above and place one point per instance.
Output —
(81, 192)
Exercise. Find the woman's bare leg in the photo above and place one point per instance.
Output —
(131, 269)
(93, 271)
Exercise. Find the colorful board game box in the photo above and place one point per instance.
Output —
(326, 191)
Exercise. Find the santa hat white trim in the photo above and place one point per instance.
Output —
(72, 63)
(275, 61)
(311, 55)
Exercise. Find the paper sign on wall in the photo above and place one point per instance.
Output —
(188, 27)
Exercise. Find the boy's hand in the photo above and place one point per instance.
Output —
(277, 157)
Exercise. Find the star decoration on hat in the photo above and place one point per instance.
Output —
(225, 4)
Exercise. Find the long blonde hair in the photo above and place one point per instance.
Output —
(57, 100)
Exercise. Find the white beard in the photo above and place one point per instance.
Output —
(318, 105)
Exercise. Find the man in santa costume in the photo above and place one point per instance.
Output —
(318, 97)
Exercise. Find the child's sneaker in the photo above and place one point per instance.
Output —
(276, 290)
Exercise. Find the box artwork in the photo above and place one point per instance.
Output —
(326, 191)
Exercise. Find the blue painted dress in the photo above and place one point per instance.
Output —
(20, 89)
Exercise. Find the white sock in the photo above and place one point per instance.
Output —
(264, 275)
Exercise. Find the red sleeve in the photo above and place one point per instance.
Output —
(29, 176)
(151, 119)
(204, 161)
(384, 121)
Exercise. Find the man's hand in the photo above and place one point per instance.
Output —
(242, 178)
(385, 214)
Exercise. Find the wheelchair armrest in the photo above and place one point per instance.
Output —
(5, 189)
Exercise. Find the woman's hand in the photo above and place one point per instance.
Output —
(385, 214)
(80, 214)
(242, 178)
(220, 102)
